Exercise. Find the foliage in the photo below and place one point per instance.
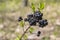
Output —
(31, 29)
(41, 6)
(17, 38)
(22, 23)
(33, 7)
(25, 36)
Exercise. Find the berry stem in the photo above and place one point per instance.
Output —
(24, 33)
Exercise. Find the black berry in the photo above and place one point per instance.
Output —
(20, 19)
(38, 33)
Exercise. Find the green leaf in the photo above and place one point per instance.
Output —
(18, 37)
(31, 29)
(41, 6)
(33, 7)
(25, 36)
(22, 23)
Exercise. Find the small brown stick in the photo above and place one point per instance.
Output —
(24, 33)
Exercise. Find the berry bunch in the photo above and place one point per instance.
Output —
(35, 18)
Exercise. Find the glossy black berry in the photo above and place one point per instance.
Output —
(43, 23)
(38, 33)
(38, 15)
(28, 19)
(20, 19)
(32, 22)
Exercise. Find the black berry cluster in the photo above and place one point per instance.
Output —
(35, 18)
(42, 23)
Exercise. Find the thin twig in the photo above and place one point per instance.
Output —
(24, 33)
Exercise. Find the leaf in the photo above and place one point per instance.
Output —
(31, 29)
(33, 7)
(22, 23)
(19, 36)
(25, 36)
(41, 6)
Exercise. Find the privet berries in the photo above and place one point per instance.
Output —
(20, 18)
(32, 22)
(33, 19)
(38, 33)
(38, 15)
(43, 23)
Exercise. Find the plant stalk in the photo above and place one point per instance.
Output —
(24, 33)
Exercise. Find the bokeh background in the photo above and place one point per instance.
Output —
(10, 10)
